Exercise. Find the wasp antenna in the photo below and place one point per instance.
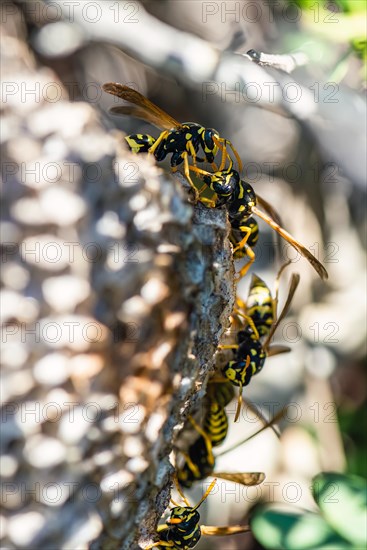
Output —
(207, 492)
(279, 274)
(276, 287)
(174, 502)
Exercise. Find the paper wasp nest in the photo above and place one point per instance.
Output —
(115, 292)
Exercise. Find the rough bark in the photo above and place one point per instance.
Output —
(127, 289)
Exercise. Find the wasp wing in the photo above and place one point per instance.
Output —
(268, 424)
(269, 209)
(248, 479)
(145, 109)
(211, 530)
(292, 289)
(277, 349)
(319, 268)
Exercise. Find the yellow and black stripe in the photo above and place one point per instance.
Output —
(239, 229)
(216, 423)
(183, 528)
(140, 143)
(220, 391)
(250, 359)
(199, 462)
(260, 306)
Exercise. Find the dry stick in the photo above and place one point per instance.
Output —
(284, 62)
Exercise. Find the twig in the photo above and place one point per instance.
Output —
(286, 62)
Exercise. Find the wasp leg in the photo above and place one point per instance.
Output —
(160, 543)
(194, 469)
(241, 305)
(199, 171)
(219, 141)
(249, 322)
(205, 436)
(224, 156)
(158, 142)
(210, 202)
(192, 152)
(221, 144)
(250, 253)
(239, 161)
(243, 242)
(188, 177)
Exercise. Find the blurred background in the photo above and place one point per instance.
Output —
(302, 138)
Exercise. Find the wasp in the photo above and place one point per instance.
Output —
(200, 463)
(241, 201)
(182, 529)
(199, 460)
(251, 351)
(181, 140)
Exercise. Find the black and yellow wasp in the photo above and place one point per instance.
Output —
(211, 433)
(199, 459)
(241, 201)
(182, 529)
(199, 463)
(251, 348)
(181, 140)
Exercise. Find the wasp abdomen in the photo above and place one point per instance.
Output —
(140, 143)
(260, 306)
(216, 423)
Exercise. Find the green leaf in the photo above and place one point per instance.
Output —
(343, 503)
(348, 6)
(351, 6)
(359, 45)
(279, 530)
